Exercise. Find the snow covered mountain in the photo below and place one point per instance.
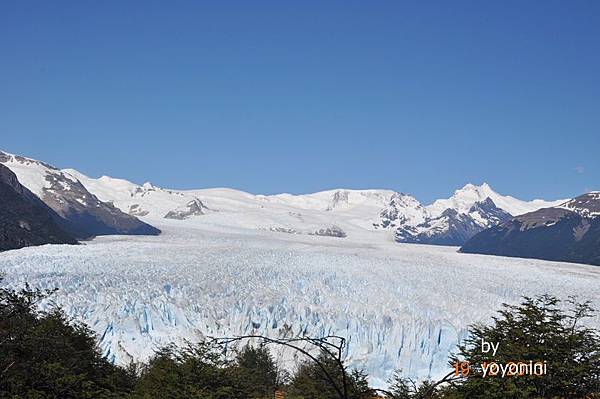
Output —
(464, 198)
(586, 205)
(454, 220)
(402, 210)
(24, 219)
(449, 221)
(82, 213)
(453, 227)
(374, 215)
(336, 210)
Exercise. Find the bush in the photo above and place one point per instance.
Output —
(537, 330)
(44, 355)
(318, 380)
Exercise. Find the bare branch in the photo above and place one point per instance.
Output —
(324, 344)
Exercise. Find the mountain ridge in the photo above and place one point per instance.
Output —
(351, 212)
(24, 219)
(569, 232)
(84, 214)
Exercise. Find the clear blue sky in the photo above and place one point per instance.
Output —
(300, 96)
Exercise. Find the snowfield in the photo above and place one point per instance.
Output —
(399, 305)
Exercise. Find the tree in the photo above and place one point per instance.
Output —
(537, 330)
(311, 382)
(255, 372)
(406, 388)
(193, 371)
(45, 355)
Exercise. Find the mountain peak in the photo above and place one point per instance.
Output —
(463, 199)
(482, 189)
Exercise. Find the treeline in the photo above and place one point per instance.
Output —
(45, 355)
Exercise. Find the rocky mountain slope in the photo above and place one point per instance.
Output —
(569, 232)
(453, 227)
(454, 220)
(24, 219)
(84, 213)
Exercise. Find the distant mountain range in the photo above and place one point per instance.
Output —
(473, 217)
(447, 222)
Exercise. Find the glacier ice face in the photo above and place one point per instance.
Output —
(399, 305)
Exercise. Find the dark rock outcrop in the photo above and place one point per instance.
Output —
(194, 207)
(332, 231)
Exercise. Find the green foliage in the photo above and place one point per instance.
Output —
(200, 371)
(195, 371)
(255, 373)
(44, 355)
(318, 380)
(537, 330)
(405, 388)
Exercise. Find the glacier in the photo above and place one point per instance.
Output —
(400, 306)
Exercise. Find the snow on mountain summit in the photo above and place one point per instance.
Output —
(464, 198)
(350, 210)
(454, 220)
(333, 200)
(80, 212)
(355, 212)
(402, 209)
